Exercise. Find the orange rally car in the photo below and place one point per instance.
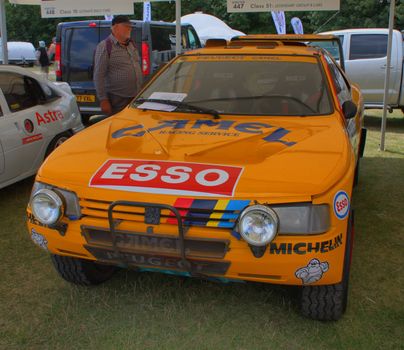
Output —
(236, 162)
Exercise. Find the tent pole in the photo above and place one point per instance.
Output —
(387, 77)
(3, 31)
(178, 27)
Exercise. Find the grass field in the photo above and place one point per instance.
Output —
(38, 310)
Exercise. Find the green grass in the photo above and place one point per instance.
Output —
(38, 310)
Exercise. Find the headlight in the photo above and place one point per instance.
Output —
(70, 200)
(47, 206)
(258, 225)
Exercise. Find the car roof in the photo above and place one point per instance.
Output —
(263, 44)
(23, 71)
(359, 31)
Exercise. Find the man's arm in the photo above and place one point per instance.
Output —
(100, 72)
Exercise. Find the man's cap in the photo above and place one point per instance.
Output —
(121, 19)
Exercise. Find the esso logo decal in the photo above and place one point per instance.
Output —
(341, 205)
(167, 177)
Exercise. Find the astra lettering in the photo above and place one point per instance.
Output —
(272, 134)
(48, 117)
(306, 248)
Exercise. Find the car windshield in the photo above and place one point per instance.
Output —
(244, 85)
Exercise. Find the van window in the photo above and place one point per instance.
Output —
(163, 38)
(135, 35)
(365, 46)
(83, 43)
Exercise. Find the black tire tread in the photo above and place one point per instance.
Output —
(80, 271)
(323, 303)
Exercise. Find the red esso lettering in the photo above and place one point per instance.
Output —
(341, 205)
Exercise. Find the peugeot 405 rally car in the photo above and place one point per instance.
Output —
(237, 161)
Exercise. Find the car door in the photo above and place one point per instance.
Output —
(366, 66)
(22, 141)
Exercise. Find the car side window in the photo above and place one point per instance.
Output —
(163, 37)
(365, 46)
(21, 92)
(341, 84)
(193, 44)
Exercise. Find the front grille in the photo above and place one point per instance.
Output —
(152, 243)
(221, 213)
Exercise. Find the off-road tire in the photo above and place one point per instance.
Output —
(329, 302)
(80, 271)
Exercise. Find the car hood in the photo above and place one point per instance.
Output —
(290, 157)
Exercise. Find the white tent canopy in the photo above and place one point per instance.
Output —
(208, 26)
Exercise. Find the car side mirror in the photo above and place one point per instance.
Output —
(350, 109)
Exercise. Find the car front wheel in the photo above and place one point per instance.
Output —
(82, 272)
(329, 302)
(56, 142)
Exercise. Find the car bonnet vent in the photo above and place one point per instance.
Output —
(257, 43)
(215, 43)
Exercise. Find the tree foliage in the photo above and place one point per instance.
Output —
(24, 23)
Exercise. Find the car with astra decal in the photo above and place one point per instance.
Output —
(235, 162)
(36, 116)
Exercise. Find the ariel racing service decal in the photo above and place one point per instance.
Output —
(166, 177)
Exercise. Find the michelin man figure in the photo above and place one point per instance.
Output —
(312, 272)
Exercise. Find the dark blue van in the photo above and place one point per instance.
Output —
(76, 43)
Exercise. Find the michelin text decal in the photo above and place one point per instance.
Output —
(306, 248)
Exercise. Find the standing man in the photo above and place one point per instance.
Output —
(117, 72)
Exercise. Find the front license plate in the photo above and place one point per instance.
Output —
(151, 260)
(85, 98)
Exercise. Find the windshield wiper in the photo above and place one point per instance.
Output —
(179, 104)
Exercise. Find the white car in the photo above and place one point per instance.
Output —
(20, 53)
(36, 116)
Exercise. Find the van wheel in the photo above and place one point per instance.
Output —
(329, 302)
(82, 272)
(56, 142)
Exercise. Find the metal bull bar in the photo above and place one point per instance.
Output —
(185, 262)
